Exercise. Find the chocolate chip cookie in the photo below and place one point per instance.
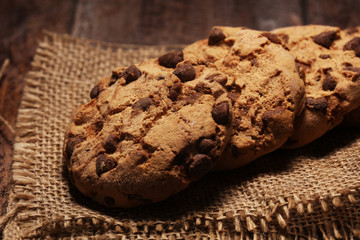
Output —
(328, 63)
(153, 128)
(261, 79)
(149, 131)
(347, 39)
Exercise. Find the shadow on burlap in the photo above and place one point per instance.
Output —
(313, 192)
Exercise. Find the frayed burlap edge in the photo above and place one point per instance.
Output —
(275, 222)
(271, 224)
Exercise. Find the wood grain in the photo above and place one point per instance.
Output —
(162, 22)
(343, 14)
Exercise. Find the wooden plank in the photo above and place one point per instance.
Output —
(341, 13)
(164, 22)
(21, 23)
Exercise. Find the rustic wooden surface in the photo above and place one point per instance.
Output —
(133, 21)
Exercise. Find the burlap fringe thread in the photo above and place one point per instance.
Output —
(240, 224)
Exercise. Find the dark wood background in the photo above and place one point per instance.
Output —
(137, 22)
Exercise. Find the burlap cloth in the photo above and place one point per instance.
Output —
(312, 192)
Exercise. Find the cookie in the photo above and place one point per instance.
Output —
(149, 131)
(328, 65)
(349, 40)
(262, 82)
(153, 128)
(349, 36)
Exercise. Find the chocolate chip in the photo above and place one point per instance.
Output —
(272, 37)
(110, 143)
(218, 93)
(205, 145)
(216, 36)
(200, 164)
(143, 104)
(324, 56)
(202, 88)
(353, 44)
(233, 96)
(347, 64)
(218, 77)
(325, 39)
(221, 113)
(185, 72)
(138, 157)
(70, 145)
(235, 89)
(171, 59)
(98, 126)
(191, 99)
(233, 92)
(316, 104)
(174, 91)
(303, 65)
(355, 78)
(277, 73)
(131, 74)
(278, 122)
(104, 164)
(353, 69)
(285, 37)
(94, 92)
(329, 83)
(148, 147)
(272, 117)
(109, 201)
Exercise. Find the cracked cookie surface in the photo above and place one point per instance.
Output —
(149, 131)
(347, 39)
(328, 62)
(263, 84)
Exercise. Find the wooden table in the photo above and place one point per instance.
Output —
(137, 22)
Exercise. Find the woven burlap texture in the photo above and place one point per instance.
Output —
(313, 192)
